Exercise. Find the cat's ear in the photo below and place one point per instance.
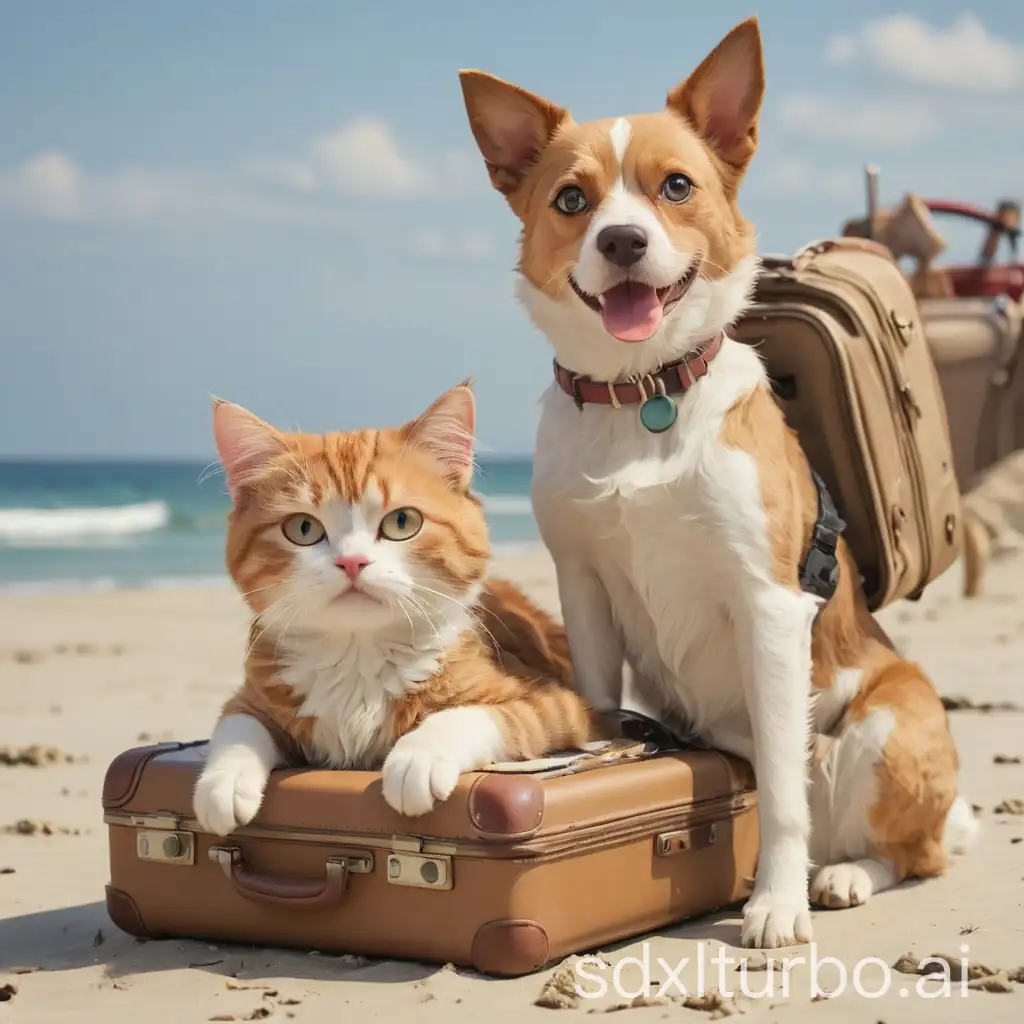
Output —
(245, 443)
(446, 430)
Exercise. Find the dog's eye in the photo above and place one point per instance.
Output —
(571, 200)
(677, 188)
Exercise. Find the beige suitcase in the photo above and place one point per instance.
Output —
(976, 344)
(841, 335)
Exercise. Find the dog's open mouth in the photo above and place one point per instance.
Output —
(634, 310)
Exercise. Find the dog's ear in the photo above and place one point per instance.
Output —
(722, 98)
(511, 126)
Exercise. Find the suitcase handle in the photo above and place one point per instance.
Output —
(285, 893)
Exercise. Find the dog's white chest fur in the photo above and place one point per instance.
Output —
(650, 516)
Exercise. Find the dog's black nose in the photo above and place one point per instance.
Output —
(622, 244)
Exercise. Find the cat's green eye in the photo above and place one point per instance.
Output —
(303, 530)
(401, 524)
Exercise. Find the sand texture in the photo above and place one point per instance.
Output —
(83, 677)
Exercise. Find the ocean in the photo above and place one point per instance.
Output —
(101, 525)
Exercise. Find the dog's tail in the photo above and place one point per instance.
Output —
(977, 553)
(961, 829)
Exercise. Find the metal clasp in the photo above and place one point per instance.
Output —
(684, 839)
(168, 847)
(408, 866)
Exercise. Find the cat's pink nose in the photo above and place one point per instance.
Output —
(352, 564)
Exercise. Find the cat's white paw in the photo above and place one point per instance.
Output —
(228, 796)
(771, 921)
(417, 774)
(425, 764)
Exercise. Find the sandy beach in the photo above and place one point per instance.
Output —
(93, 674)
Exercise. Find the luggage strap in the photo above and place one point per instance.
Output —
(819, 573)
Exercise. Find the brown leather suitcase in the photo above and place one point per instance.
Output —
(523, 864)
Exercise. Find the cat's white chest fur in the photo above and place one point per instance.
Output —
(345, 683)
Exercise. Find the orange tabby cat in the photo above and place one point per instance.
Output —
(373, 643)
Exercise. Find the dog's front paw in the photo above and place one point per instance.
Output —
(417, 774)
(227, 797)
(841, 885)
(770, 922)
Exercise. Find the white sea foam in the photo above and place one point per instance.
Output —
(33, 527)
(508, 505)
(104, 584)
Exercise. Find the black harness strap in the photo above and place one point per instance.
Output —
(819, 573)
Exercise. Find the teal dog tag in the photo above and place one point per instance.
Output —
(658, 413)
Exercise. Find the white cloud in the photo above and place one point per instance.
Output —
(363, 158)
(437, 244)
(962, 56)
(291, 174)
(429, 242)
(889, 123)
(799, 176)
(48, 185)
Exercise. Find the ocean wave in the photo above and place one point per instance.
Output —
(30, 588)
(54, 526)
(107, 584)
(508, 505)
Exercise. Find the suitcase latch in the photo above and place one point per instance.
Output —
(681, 840)
(407, 866)
(168, 847)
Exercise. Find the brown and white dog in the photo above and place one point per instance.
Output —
(678, 544)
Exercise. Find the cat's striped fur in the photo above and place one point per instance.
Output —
(368, 648)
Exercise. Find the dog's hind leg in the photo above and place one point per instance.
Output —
(883, 794)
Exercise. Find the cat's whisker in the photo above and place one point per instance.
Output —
(210, 471)
(270, 614)
(281, 636)
(424, 612)
(400, 605)
(474, 617)
(269, 586)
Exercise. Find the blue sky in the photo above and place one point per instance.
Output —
(281, 203)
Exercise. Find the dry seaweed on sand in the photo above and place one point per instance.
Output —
(35, 755)
(713, 1003)
(637, 1003)
(986, 706)
(977, 973)
(29, 827)
(1012, 805)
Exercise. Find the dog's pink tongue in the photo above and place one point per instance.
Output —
(631, 311)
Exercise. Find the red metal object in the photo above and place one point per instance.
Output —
(984, 278)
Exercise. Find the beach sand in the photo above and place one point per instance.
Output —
(93, 674)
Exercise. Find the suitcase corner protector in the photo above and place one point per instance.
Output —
(124, 913)
(510, 947)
